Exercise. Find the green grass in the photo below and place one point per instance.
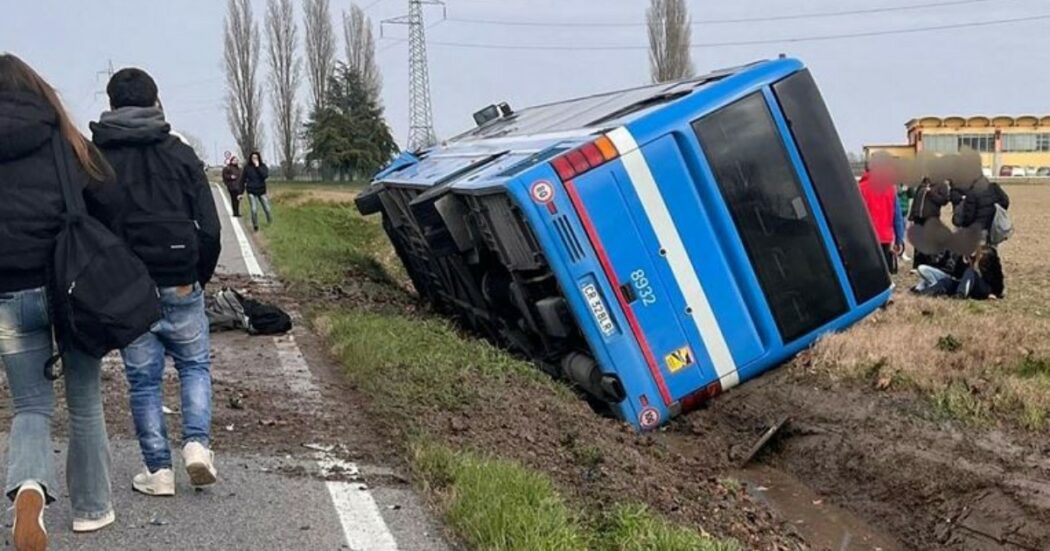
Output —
(1032, 367)
(957, 401)
(413, 364)
(636, 528)
(501, 506)
(319, 243)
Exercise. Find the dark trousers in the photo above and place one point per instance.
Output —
(235, 200)
(891, 258)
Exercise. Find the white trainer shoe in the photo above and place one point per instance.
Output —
(84, 525)
(200, 464)
(160, 483)
(28, 532)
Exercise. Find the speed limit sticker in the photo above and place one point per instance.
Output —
(649, 418)
(542, 192)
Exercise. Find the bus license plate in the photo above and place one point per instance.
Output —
(601, 313)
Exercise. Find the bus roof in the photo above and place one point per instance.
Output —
(601, 110)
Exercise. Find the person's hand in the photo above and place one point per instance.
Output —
(898, 249)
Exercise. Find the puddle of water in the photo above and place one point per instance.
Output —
(824, 526)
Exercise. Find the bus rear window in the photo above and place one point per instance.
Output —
(833, 182)
(762, 190)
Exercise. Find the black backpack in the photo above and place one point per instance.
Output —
(103, 296)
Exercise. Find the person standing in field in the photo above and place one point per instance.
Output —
(231, 176)
(929, 199)
(880, 198)
(171, 223)
(37, 140)
(255, 176)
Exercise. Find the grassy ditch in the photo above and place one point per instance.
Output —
(466, 413)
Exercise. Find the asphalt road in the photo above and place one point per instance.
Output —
(302, 487)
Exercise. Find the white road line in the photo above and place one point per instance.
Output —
(252, 263)
(682, 268)
(362, 523)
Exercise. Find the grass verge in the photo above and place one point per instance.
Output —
(499, 505)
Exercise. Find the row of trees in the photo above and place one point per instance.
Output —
(345, 132)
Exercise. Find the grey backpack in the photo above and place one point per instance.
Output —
(1002, 226)
(225, 311)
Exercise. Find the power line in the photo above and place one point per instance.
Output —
(816, 38)
(372, 5)
(757, 19)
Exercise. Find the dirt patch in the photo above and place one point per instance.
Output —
(930, 483)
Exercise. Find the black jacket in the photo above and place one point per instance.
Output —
(929, 199)
(255, 178)
(168, 216)
(978, 207)
(232, 176)
(31, 205)
(990, 269)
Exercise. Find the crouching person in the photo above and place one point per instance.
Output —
(171, 223)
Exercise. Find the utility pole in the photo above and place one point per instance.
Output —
(421, 115)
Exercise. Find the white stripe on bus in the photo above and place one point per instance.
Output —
(681, 266)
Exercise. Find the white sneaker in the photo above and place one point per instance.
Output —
(160, 483)
(200, 464)
(28, 532)
(82, 525)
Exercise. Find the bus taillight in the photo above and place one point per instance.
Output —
(585, 158)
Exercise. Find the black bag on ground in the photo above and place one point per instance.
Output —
(103, 297)
(228, 310)
(266, 319)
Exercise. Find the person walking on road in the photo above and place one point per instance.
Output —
(37, 140)
(231, 176)
(255, 176)
(171, 223)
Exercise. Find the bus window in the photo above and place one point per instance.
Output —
(762, 190)
(833, 182)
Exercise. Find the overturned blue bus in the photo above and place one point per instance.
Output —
(654, 246)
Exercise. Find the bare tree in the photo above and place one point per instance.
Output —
(244, 99)
(285, 70)
(670, 35)
(361, 49)
(320, 48)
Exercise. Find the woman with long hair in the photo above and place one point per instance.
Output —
(37, 140)
(255, 176)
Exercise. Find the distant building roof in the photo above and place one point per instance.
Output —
(979, 121)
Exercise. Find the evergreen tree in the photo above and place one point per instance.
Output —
(349, 134)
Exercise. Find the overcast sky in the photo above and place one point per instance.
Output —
(873, 84)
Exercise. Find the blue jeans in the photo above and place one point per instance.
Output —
(183, 334)
(25, 346)
(930, 277)
(253, 205)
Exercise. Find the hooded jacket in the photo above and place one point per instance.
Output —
(168, 217)
(31, 203)
(978, 205)
(881, 200)
(929, 200)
